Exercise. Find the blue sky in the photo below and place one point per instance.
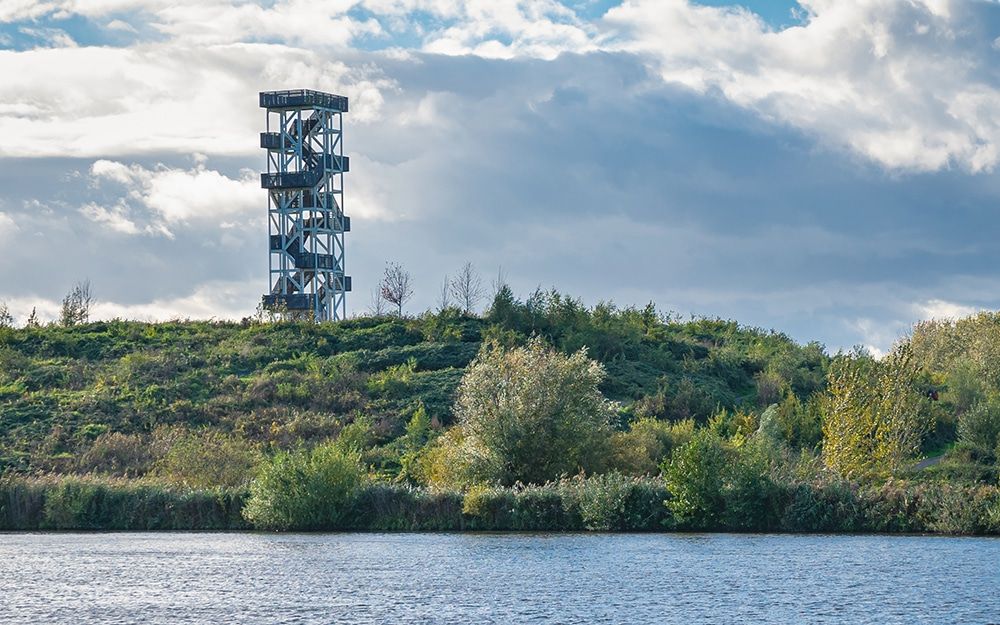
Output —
(826, 168)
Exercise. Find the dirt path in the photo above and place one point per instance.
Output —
(928, 462)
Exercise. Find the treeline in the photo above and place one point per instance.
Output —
(537, 414)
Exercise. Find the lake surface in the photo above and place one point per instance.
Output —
(496, 578)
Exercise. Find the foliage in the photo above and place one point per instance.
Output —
(874, 420)
(532, 414)
(90, 503)
(641, 449)
(157, 416)
(207, 459)
(76, 305)
(694, 476)
(719, 485)
(288, 383)
(305, 490)
(6, 319)
(979, 427)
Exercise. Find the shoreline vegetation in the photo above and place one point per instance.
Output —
(536, 415)
(602, 504)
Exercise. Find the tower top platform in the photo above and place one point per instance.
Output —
(302, 98)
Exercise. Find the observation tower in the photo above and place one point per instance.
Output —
(305, 204)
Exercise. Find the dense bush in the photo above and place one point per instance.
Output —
(531, 414)
(305, 489)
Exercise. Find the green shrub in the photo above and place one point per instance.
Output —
(979, 427)
(305, 490)
(642, 449)
(694, 476)
(602, 500)
(114, 453)
(208, 459)
(751, 498)
(532, 414)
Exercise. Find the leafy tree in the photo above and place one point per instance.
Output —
(874, 422)
(77, 304)
(32, 321)
(6, 319)
(532, 414)
(505, 308)
(714, 484)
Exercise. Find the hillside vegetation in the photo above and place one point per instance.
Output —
(600, 418)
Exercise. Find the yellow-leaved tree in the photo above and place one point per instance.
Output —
(874, 421)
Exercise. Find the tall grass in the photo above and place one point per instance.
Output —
(91, 503)
(603, 503)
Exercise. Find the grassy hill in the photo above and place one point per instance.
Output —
(712, 425)
(83, 398)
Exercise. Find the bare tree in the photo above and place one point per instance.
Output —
(77, 304)
(444, 298)
(32, 321)
(396, 286)
(467, 288)
(377, 306)
(497, 284)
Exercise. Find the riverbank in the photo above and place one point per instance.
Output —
(605, 503)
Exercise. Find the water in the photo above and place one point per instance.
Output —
(492, 578)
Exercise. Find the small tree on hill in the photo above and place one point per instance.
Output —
(396, 286)
(467, 288)
(6, 319)
(377, 306)
(444, 297)
(77, 304)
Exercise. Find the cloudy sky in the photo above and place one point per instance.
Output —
(828, 168)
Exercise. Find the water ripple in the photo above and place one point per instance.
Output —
(496, 578)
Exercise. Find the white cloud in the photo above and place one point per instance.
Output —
(904, 84)
(505, 29)
(14, 10)
(857, 74)
(102, 102)
(120, 25)
(174, 196)
(210, 300)
(115, 217)
(940, 309)
(49, 37)
(7, 225)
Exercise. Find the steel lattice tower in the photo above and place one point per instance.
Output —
(306, 221)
